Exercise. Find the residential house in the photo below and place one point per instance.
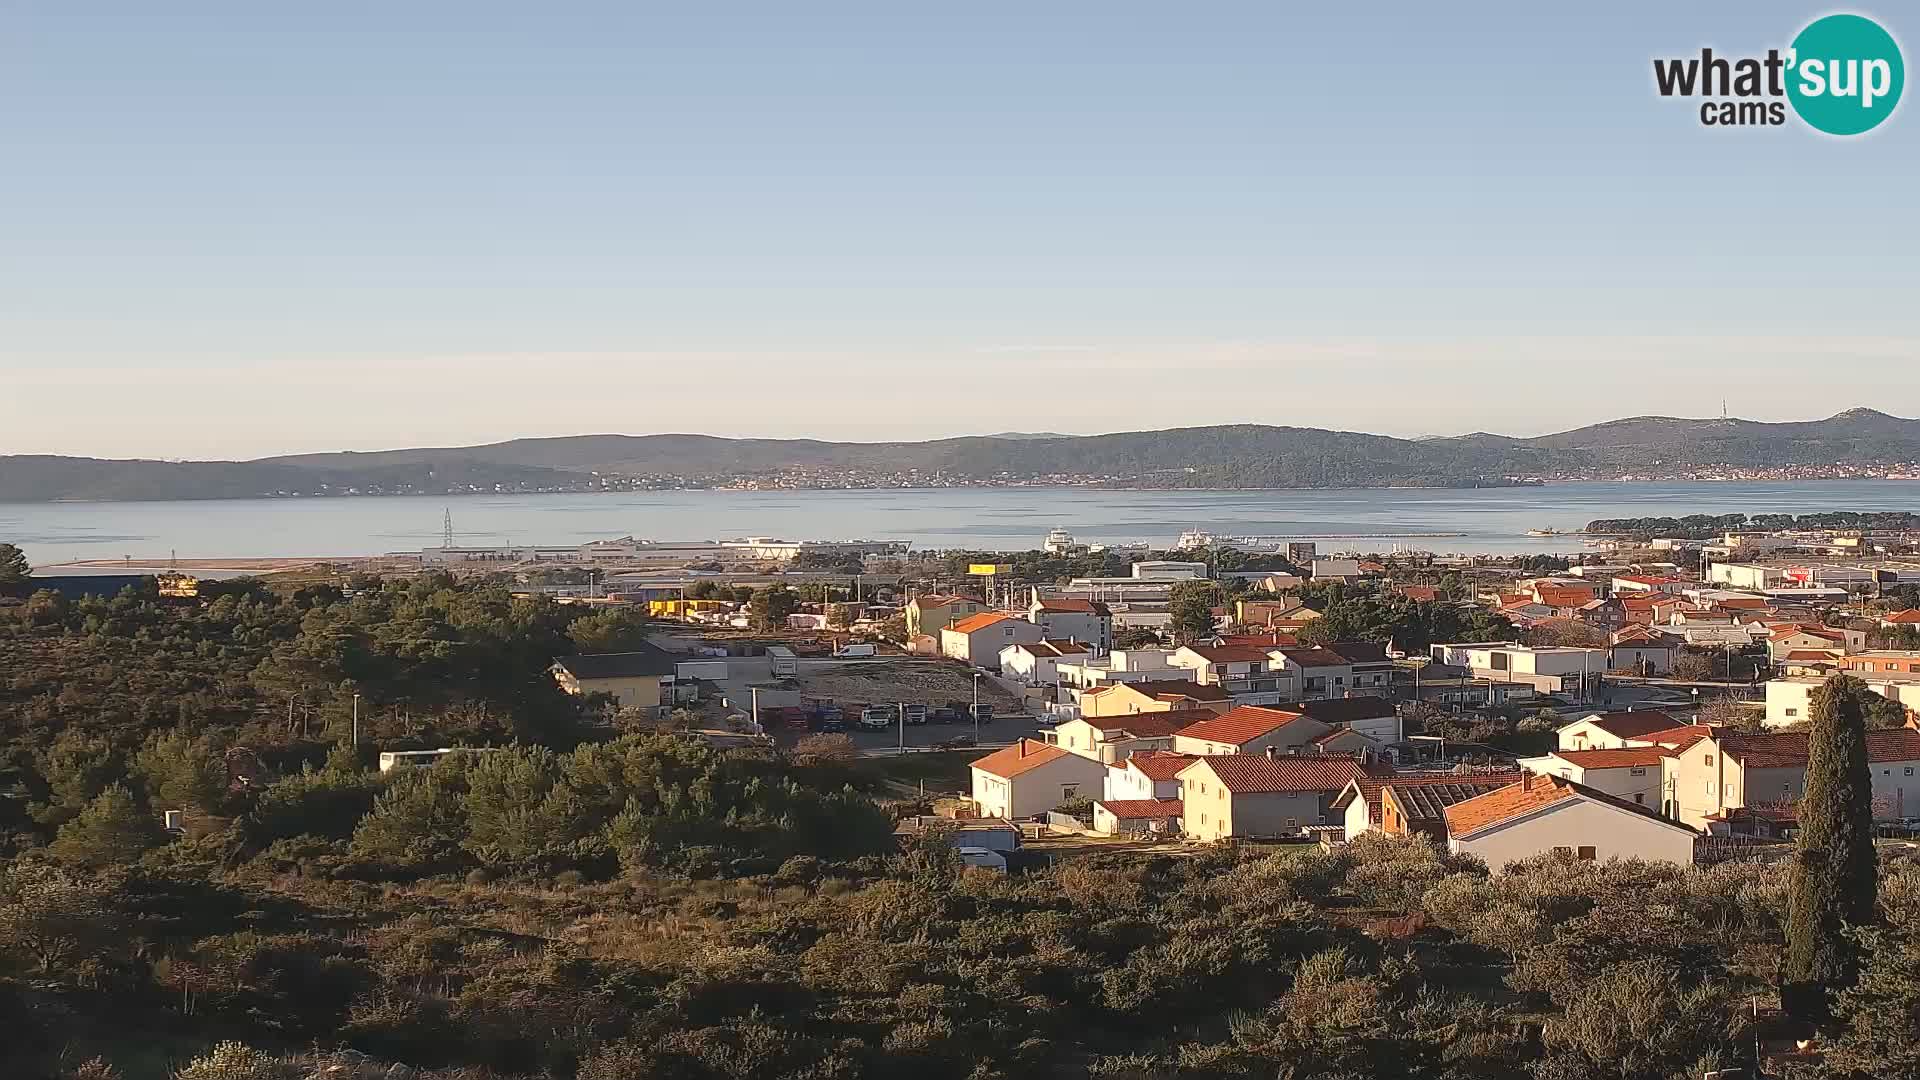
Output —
(1790, 697)
(1250, 729)
(1036, 663)
(1404, 805)
(1350, 742)
(1149, 774)
(1372, 669)
(1375, 717)
(1785, 639)
(978, 639)
(1336, 570)
(1119, 666)
(1114, 739)
(1544, 813)
(1260, 795)
(1247, 673)
(1547, 670)
(1725, 770)
(1317, 672)
(1614, 730)
(1908, 618)
(1643, 650)
(1031, 778)
(932, 613)
(1885, 663)
(1125, 699)
(638, 679)
(1126, 817)
(1633, 773)
(1089, 622)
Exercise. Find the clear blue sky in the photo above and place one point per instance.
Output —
(241, 228)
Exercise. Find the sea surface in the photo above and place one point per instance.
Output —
(1367, 519)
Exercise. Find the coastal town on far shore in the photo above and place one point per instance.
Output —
(1643, 697)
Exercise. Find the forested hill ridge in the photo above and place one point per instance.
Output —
(1228, 456)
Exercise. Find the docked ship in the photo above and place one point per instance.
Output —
(1548, 531)
(1194, 540)
(1059, 542)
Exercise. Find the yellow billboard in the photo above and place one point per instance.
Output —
(988, 569)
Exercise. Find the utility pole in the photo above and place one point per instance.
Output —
(900, 711)
(755, 692)
(976, 708)
(356, 721)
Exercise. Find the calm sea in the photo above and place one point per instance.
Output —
(1493, 519)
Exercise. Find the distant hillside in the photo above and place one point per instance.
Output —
(1241, 455)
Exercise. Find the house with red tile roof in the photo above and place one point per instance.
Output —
(1030, 777)
(1036, 662)
(1153, 695)
(1613, 730)
(1643, 650)
(1087, 621)
(1633, 773)
(932, 612)
(1412, 804)
(1782, 640)
(1262, 795)
(1544, 813)
(1250, 729)
(978, 639)
(1907, 617)
(1727, 769)
(1113, 739)
(1124, 817)
(1150, 774)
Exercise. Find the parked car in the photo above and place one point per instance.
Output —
(859, 650)
(945, 714)
(958, 742)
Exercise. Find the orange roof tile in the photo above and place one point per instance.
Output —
(1240, 726)
(1536, 792)
(1023, 756)
(1911, 615)
(979, 622)
(1138, 809)
(1160, 764)
(1229, 654)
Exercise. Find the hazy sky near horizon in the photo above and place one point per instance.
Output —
(239, 229)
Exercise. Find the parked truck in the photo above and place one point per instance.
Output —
(782, 663)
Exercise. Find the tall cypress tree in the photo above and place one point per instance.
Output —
(1835, 870)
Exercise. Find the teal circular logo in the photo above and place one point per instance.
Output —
(1845, 74)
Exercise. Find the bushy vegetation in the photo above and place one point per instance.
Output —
(576, 906)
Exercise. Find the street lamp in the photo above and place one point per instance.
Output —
(976, 708)
(356, 719)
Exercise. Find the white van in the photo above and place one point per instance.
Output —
(858, 650)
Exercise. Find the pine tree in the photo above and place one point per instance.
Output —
(112, 829)
(1835, 868)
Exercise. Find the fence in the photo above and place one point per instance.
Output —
(1067, 823)
(1718, 849)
